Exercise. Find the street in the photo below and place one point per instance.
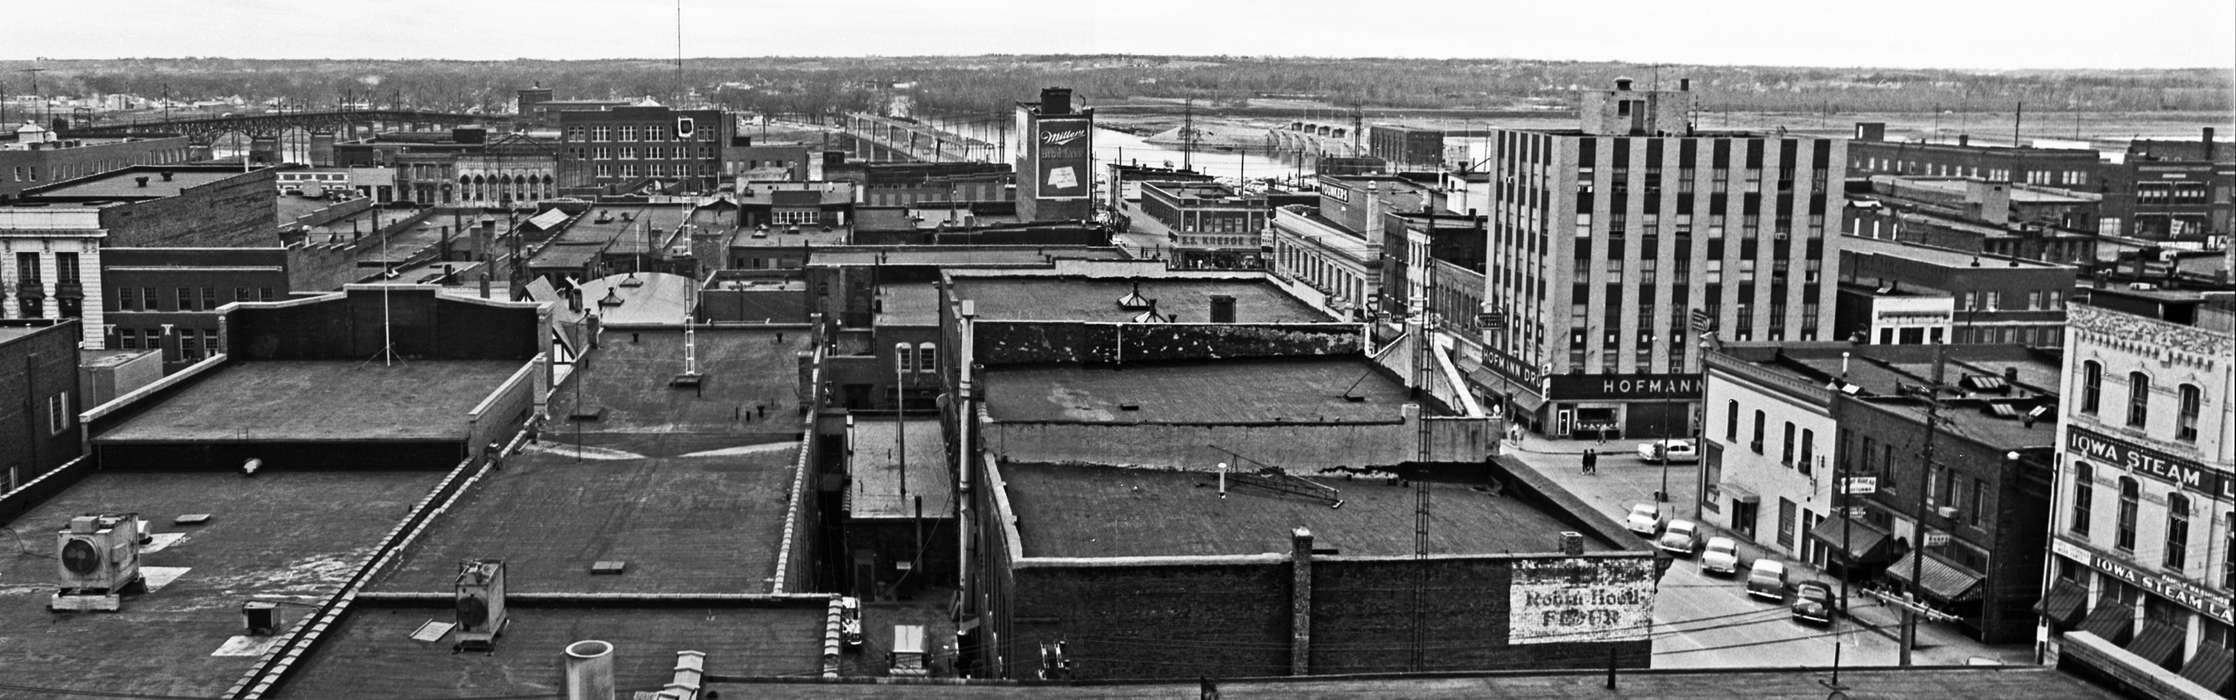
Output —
(1704, 620)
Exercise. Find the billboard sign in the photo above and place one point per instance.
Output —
(1063, 154)
(1580, 599)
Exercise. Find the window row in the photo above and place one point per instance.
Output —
(2189, 400)
(180, 298)
(2173, 555)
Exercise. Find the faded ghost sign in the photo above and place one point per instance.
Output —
(1579, 599)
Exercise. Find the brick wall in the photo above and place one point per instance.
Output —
(33, 369)
(1027, 342)
(420, 325)
(238, 211)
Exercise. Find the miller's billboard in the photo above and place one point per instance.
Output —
(1062, 157)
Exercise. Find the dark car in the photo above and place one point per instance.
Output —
(1812, 602)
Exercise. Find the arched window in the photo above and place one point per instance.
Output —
(927, 358)
(1760, 422)
(2190, 403)
(2177, 531)
(2092, 386)
(1731, 421)
(2084, 496)
(2138, 399)
(2131, 493)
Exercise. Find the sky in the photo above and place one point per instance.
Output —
(1980, 34)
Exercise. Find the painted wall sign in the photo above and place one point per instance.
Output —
(1576, 599)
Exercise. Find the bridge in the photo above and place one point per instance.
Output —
(1318, 140)
(347, 124)
(875, 138)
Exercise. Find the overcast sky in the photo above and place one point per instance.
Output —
(1895, 33)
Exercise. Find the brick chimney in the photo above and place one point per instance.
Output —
(1300, 602)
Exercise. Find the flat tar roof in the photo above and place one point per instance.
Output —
(745, 371)
(1964, 682)
(1098, 511)
(1945, 257)
(282, 535)
(122, 185)
(962, 255)
(1235, 391)
(371, 653)
(1083, 299)
(710, 524)
(875, 465)
(320, 401)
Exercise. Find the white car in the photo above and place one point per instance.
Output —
(1681, 537)
(1644, 519)
(1721, 556)
(1675, 450)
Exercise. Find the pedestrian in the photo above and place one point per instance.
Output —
(1591, 461)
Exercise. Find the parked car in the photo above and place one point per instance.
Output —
(1674, 450)
(1644, 519)
(1812, 602)
(1680, 537)
(1767, 580)
(1720, 556)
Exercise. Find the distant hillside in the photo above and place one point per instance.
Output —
(988, 84)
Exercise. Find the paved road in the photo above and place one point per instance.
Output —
(1709, 620)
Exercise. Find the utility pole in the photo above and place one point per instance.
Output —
(1188, 135)
(1912, 608)
(1422, 455)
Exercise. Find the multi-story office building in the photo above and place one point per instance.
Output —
(2173, 191)
(37, 156)
(628, 148)
(2143, 527)
(1612, 246)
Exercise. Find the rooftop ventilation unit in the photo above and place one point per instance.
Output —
(1134, 301)
(97, 560)
(480, 604)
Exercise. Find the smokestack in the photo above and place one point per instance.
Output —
(1300, 602)
(590, 670)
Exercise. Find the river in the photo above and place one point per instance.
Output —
(1114, 146)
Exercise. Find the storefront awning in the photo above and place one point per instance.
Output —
(2114, 622)
(1740, 494)
(2213, 666)
(1864, 543)
(2159, 642)
(2063, 607)
(1941, 579)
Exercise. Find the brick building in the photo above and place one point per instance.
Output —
(1407, 148)
(38, 157)
(1336, 248)
(1212, 225)
(2143, 537)
(1606, 243)
(1870, 153)
(911, 184)
(2172, 191)
(466, 166)
(1054, 147)
(1992, 299)
(39, 427)
(625, 149)
(1995, 218)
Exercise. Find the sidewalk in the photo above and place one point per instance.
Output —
(1623, 479)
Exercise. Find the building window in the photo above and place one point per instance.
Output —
(1785, 455)
(209, 298)
(2131, 492)
(1731, 421)
(1979, 501)
(1760, 422)
(2192, 403)
(2177, 531)
(927, 358)
(2138, 399)
(1808, 449)
(2092, 386)
(2084, 496)
(147, 295)
(58, 413)
(186, 299)
(125, 301)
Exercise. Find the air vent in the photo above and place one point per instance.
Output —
(1129, 407)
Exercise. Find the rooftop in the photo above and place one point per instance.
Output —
(319, 401)
(1960, 682)
(371, 653)
(688, 524)
(1233, 391)
(628, 374)
(960, 255)
(1046, 298)
(122, 184)
(1944, 257)
(647, 298)
(257, 544)
(2020, 193)
(876, 468)
(1098, 511)
(791, 236)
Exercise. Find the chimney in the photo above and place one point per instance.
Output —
(2011, 377)
(1300, 602)
(590, 670)
(2208, 144)
(1222, 308)
(1572, 543)
(1055, 100)
(142, 180)
(1622, 84)
(1991, 201)
(1964, 139)
(167, 173)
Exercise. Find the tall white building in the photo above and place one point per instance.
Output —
(2144, 514)
(1606, 240)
